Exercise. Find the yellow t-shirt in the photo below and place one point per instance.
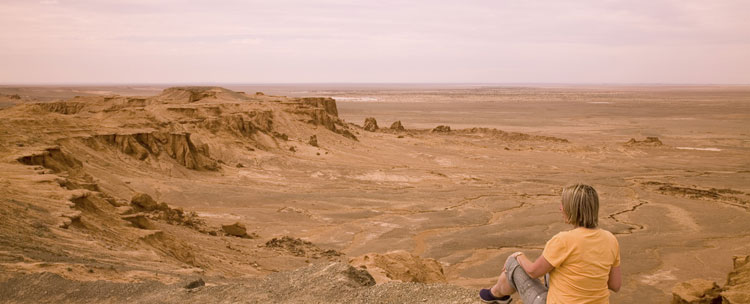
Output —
(582, 259)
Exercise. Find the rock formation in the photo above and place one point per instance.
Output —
(51, 158)
(400, 266)
(62, 107)
(441, 129)
(396, 125)
(76, 173)
(145, 209)
(326, 103)
(696, 291)
(371, 124)
(144, 202)
(648, 142)
(299, 247)
(177, 146)
(509, 136)
(700, 291)
(737, 289)
(195, 94)
(236, 229)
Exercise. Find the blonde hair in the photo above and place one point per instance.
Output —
(581, 205)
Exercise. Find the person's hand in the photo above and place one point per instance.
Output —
(512, 256)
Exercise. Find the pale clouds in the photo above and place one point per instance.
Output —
(375, 41)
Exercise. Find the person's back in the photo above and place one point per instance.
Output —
(583, 263)
(582, 258)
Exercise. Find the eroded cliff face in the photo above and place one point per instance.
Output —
(737, 289)
(143, 146)
(180, 126)
(51, 158)
(701, 291)
(70, 213)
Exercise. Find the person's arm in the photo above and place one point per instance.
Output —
(535, 269)
(615, 279)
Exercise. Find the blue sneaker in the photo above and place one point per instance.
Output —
(487, 297)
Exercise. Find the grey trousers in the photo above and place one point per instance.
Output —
(532, 291)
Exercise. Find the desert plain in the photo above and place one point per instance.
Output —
(312, 184)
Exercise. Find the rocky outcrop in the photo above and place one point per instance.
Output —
(396, 125)
(371, 124)
(236, 229)
(326, 103)
(144, 202)
(700, 291)
(195, 284)
(696, 291)
(648, 142)
(400, 266)
(191, 94)
(139, 221)
(62, 107)
(143, 205)
(737, 289)
(177, 146)
(510, 136)
(300, 248)
(441, 129)
(245, 124)
(723, 195)
(324, 117)
(321, 117)
(51, 158)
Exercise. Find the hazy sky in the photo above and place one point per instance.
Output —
(152, 41)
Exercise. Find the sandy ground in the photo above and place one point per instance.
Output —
(467, 198)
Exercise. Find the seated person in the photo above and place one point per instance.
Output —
(582, 263)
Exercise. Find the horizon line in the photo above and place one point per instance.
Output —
(187, 83)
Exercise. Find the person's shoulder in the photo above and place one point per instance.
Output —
(608, 235)
(563, 235)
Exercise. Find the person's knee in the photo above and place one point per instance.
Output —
(510, 263)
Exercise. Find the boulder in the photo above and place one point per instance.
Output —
(400, 266)
(144, 202)
(313, 141)
(371, 124)
(396, 125)
(235, 229)
(195, 284)
(696, 291)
